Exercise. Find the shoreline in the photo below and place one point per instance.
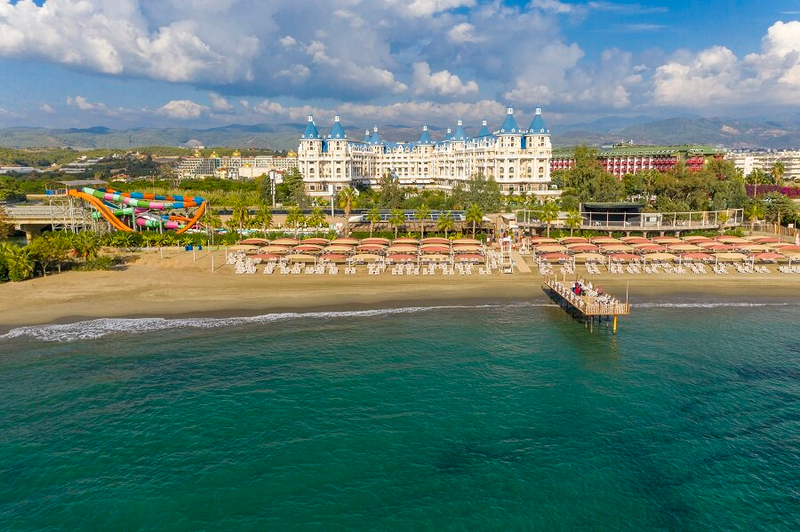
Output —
(178, 287)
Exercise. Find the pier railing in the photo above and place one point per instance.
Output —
(587, 305)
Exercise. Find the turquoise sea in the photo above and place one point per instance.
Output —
(496, 417)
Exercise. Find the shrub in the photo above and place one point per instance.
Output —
(101, 262)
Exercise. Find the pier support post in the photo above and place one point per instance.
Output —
(614, 326)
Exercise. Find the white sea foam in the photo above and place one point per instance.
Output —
(721, 304)
(98, 328)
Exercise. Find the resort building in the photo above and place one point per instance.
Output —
(518, 158)
(233, 167)
(747, 161)
(621, 160)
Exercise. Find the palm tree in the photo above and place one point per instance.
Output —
(778, 169)
(18, 261)
(346, 200)
(756, 177)
(296, 219)
(754, 211)
(549, 214)
(475, 216)
(211, 218)
(264, 217)
(240, 215)
(373, 217)
(396, 219)
(86, 244)
(446, 222)
(422, 213)
(316, 219)
(573, 221)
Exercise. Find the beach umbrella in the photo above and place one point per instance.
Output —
(285, 242)
(768, 256)
(244, 247)
(730, 256)
(401, 257)
(752, 247)
(624, 257)
(431, 249)
(551, 248)
(471, 257)
(307, 248)
(621, 248)
(789, 249)
(376, 240)
(254, 241)
(696, 255)
(583, 248)
(649, 248)
(555, 257)
(694, 239)
(763, 239)
(301, 257)
(277, 250)
(333, 257)
(405, 240)
(344, 241)
(661, 256)
(365, 257)
(727, 239)
(402, 248)
(466, 248)
(338, 248)
(589, 257)
(370, 247)
(713, 245)
(315, 241)
(469, 241)
(435, 258)
(683, 247)
(436, 241)
(667, 240)
(604, 240)
(574, 240)
(636, 240)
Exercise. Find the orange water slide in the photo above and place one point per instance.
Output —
(191, 223)
(101, 207)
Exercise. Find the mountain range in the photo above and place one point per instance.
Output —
(731, 133)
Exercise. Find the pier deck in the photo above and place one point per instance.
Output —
(587, 308)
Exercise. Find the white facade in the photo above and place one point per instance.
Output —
(234, 167)
(518, 159)
(765, 160)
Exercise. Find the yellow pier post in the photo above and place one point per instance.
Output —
(614, 327)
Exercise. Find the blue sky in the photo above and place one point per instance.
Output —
(205, 63)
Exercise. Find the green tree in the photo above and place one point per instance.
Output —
(754, 212)
(777, 207)
(589, 181)
(295, 219)
(295, 187)
(573, 221)
(240, 213)
(445, 223)
(86, 244)
(6, 227)
(777, 171)
(316, 219)
(422, 213)
(373, 217)
(474, 216)
(549, 214)
(263, 218)
(396, 219)
(264, 188)
(347, 199)
(391, 193)
(18, 261)
(457, 198)
(755, 178)
(485, 192)
(212, 219)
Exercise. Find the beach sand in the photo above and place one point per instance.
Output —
(178, 286)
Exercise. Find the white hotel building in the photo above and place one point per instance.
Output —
(518, 159)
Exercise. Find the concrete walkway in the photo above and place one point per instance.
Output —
(522, 266)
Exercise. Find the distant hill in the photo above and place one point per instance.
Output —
(608, 130)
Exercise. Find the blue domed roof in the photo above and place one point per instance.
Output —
(376, 139)
(311, 130)
(509, 126)
(484, 132)
(337, 131)
(459, 133)
(538, 125)
(366, 137)
(425, 138)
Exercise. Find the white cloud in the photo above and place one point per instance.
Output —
(554, 5)
(47, 108)
(219, 103)
(426, 8)
(441, 83)
(182, 109)
(85, 105)
(464, 33)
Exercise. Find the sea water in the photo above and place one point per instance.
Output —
(496, 417)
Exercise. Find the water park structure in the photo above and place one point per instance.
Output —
(123, 211)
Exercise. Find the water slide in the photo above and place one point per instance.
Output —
(100, 200)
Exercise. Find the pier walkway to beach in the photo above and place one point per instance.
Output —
(587, 305)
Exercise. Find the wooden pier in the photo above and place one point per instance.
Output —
(584, 307)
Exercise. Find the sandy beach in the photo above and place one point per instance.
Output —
(178, 286)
